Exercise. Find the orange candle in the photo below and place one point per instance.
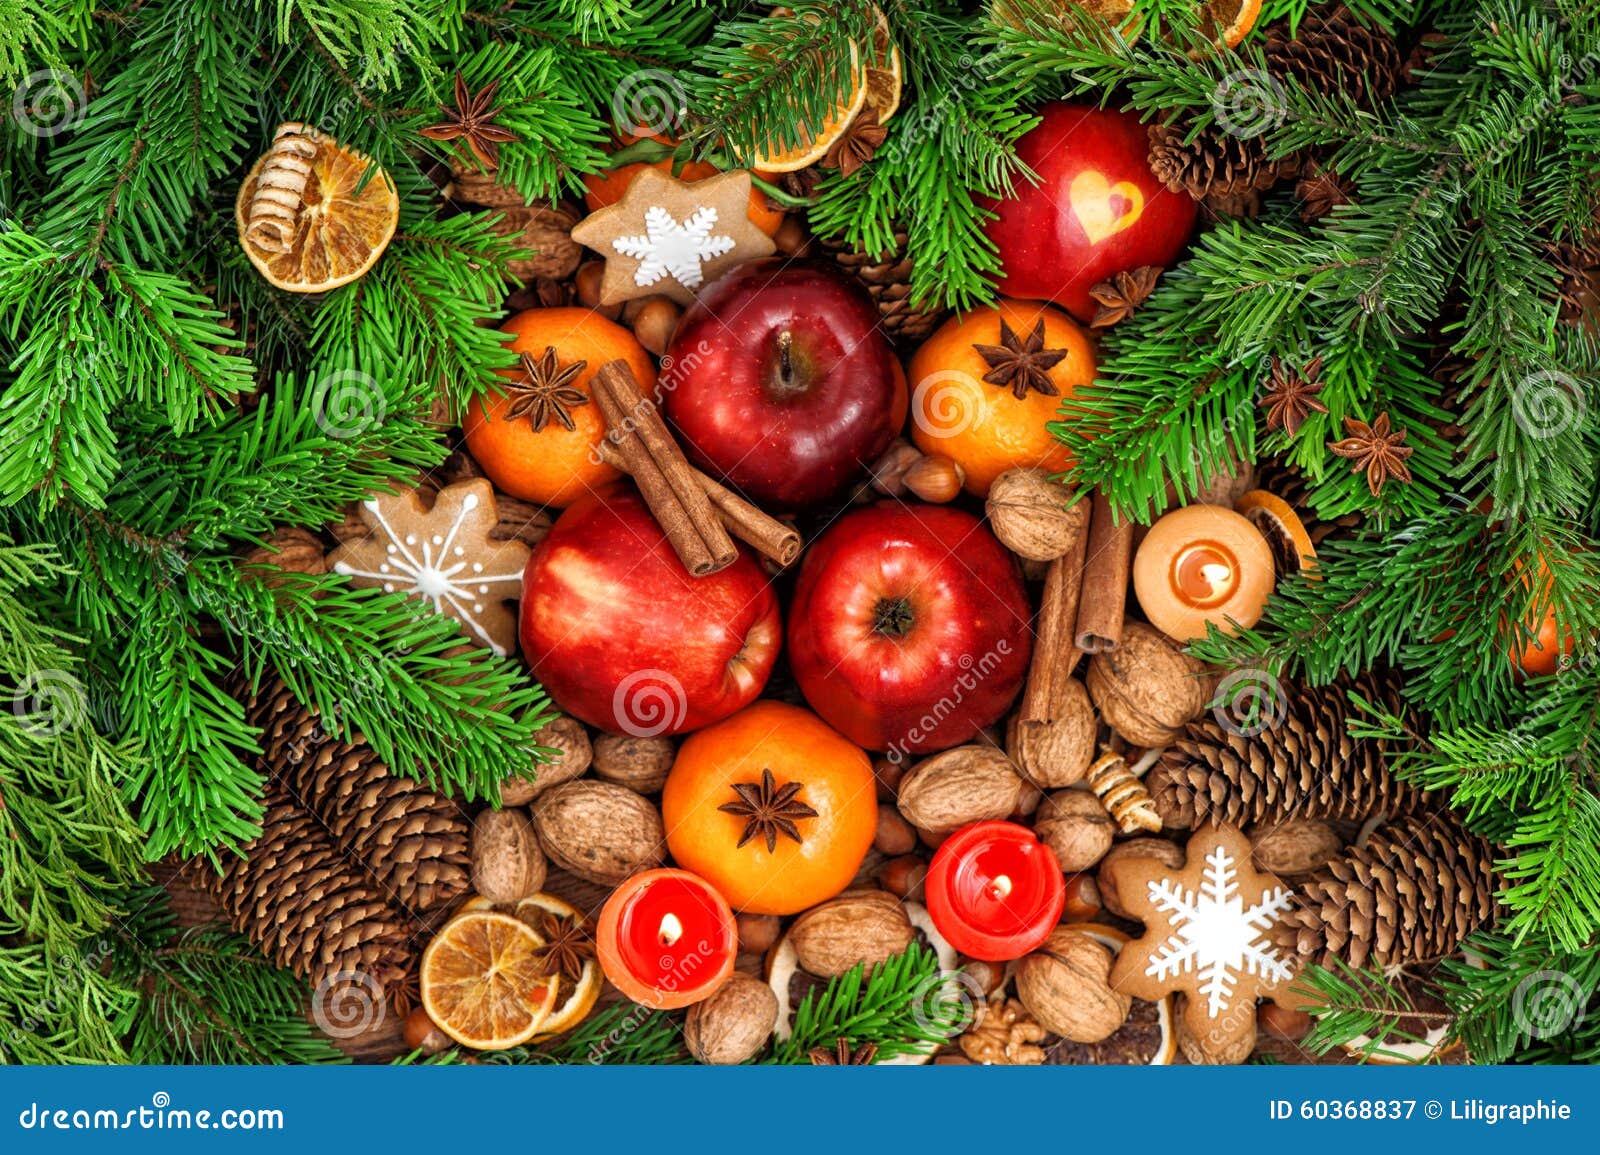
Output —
(666, 939)
(1202, 564)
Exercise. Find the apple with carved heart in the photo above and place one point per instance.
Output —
(1097, 210)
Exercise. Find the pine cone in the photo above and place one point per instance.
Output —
(1305, 766)
(1289, 483)
(1223, 171)
(888, 278)
(1410, 895)
(413, 842)
(295, 895)
(1333, 52)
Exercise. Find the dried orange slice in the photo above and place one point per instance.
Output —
(483, 981)
(1286, 534)
(1229, 21)
(885, 73)
(310, 216)
(552, 918)
(815, 142)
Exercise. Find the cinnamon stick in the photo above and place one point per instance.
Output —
(1105, 579)
(684, 499)
(1055, 650)
(765, 534)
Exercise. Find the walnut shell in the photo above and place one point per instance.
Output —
(862, 926)
(519, 521)
(1168, 853)
(1031, 514)
(599, 831)
(547, 234)
(966, 784)
(571, 742)
(640, 764)
(1147, 687)
(291, 549)
(733, 1023)
(507, 863)
(1295, 846)
(1074, 825)
(1066, 986)
(1056, 753)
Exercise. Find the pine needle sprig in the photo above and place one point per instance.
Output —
(624, 1034)
(1348, 1005)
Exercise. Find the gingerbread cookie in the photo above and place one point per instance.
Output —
(443, 554)
(668, 237)
(1208, 934)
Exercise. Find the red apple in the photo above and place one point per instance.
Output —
(910, 627)
(781, 381)
(1096, 211)
(623, 638)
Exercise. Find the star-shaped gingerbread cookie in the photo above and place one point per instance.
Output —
(1208, 934)
(442, 554)
(668, 237)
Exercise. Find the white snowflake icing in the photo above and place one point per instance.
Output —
(436, 568)
(1215, 932)
(670, 249)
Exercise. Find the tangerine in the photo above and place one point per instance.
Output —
(609, 187)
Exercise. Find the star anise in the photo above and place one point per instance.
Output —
(1376, 449)
(472, 120)
(547, 391)
(1122, 294)
(859, 143)
(771, 809)
(843, 1055)
(567, 945)
(1290, 396)
(1021, 364)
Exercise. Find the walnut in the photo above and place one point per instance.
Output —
(1295, 846)
(290, 549)
(570, 741)
(1074, 825)
(507, 863)
(1033, 516)
(547, 234)
(1056, 753)
(599, 831)
(1002, 1032)
(862, 926)
(519, 521)
(952, 789)
(640, 764)
(1147, 687)
(733, 1023)
(1066, 986)
(1166, 852)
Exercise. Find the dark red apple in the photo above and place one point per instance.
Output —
(623, 638)
(910, 627)
(1096, 211)
(781, 382)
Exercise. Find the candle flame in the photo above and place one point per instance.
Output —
(671, 929)
(1216, 574)
(1000, 886)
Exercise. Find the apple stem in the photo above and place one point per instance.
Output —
(893, 618)
(786, 358)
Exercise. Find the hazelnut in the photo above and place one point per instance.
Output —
(889, 471)
(888, 774)
(589, 277)
(570, 741)
(1033, 516)
(640, 764)
(1147, 688)
(654, 322)
(507, 863)
(1295, 846)
(1167, 853)
(1056, 753)
(861, 926)
(1074, 825)
(733, 1022)
(792, 238)
(599, 831)
(935, 478)
(1066, 987)
(903, 877)
(422, 1034)
(895, 835)
(986, 977)
(758, 932)
(967, 784)
(1228, 1044)
(1283, 1023)
(1083, 897)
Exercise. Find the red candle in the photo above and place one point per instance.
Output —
(666, 939)
(994, 890)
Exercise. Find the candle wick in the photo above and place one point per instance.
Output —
(671, 929)
(1000, 886)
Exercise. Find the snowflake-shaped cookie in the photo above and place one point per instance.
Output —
(1208, 933)
(443, 555)
(668, 237)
